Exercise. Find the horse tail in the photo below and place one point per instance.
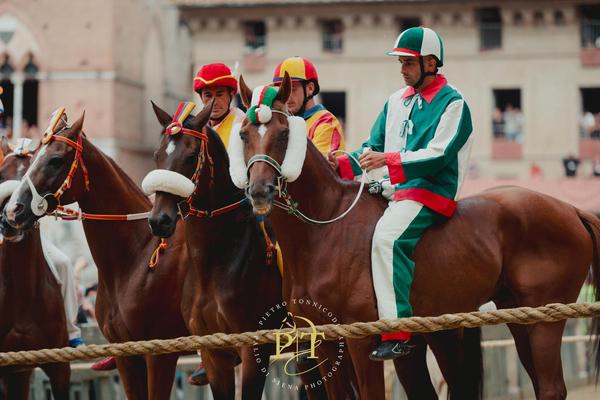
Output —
(474, 359)
(592, 225)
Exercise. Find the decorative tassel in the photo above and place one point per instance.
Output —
(156, 254)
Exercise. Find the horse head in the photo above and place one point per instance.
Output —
(14, 162)
(270, 148)
(57, 174)
(183, 165)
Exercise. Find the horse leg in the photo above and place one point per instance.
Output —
(255, 364)
(161, 374)
(17, 385)
(458, 353)
(369, 374)
(220, 371)
(60, 377)
(333, 372)
(413, 372)
(521, 336)
(545, 340)
(132, 371)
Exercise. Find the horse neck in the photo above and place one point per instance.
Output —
(23, 266)
(218, 190)
(217, 235)
(318, 190)
(114, 244)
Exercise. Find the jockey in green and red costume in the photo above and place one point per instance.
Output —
(322, 127)
(423, 137)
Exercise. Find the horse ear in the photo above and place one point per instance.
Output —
(163, 117)
(78, 125)
(285, 89)
(245, 93)
(4, 147)
(203, 116)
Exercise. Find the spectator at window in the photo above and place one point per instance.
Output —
(498, 123)
(513, 123)
(587, 124)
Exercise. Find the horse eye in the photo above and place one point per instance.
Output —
(190, 159)
(56, 162)
(284, 134)
(244, 136)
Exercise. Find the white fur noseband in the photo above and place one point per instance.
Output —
(7, 188)
(163, 180)
(294, 154)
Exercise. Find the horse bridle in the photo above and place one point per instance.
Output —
(289, 204)
(39, 204)
(203, 155)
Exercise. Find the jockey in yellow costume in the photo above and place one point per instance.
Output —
(322, 127)
(215, 81)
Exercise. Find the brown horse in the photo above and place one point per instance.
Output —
(510, 245)
(31, 304)
(462, 350)
(230, 287)
(134, 302)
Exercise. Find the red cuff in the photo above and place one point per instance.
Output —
(395, 168)
(396, 336)
(345, 167)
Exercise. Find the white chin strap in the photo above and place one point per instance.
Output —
(164, 180)
(39, 204)
(294, 154)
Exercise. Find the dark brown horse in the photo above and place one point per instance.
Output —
(134, 302)
(510, 245)
(31, 304)
(230, 287)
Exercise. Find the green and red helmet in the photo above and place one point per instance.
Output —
(299, 69)
(419, 42)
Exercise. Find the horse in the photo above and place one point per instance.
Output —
(233, 282)
(134, 302)
(32, 314)
(462, 348)
(509, 245)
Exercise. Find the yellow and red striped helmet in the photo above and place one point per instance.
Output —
(299, 69)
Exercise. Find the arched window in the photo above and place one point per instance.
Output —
(30, 96)
(6, 71)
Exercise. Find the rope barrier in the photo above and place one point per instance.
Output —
(522, 315)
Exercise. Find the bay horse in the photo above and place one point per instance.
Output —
(460, 348)
(510, 245)
(134, 302)
(231, 286)
(32, 313)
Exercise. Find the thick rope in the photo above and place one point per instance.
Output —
(523, 315)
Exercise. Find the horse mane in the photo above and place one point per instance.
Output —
(135, 189)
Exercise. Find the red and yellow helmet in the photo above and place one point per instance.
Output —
(213, 75)
(299, 69)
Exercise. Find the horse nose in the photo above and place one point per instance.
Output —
(12, 211)
(264, 190)
(162, 226)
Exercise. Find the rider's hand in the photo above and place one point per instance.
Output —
(372, 160)
(333, 161)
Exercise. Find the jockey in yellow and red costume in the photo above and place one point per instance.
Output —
(322, 127)
(215, 81)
